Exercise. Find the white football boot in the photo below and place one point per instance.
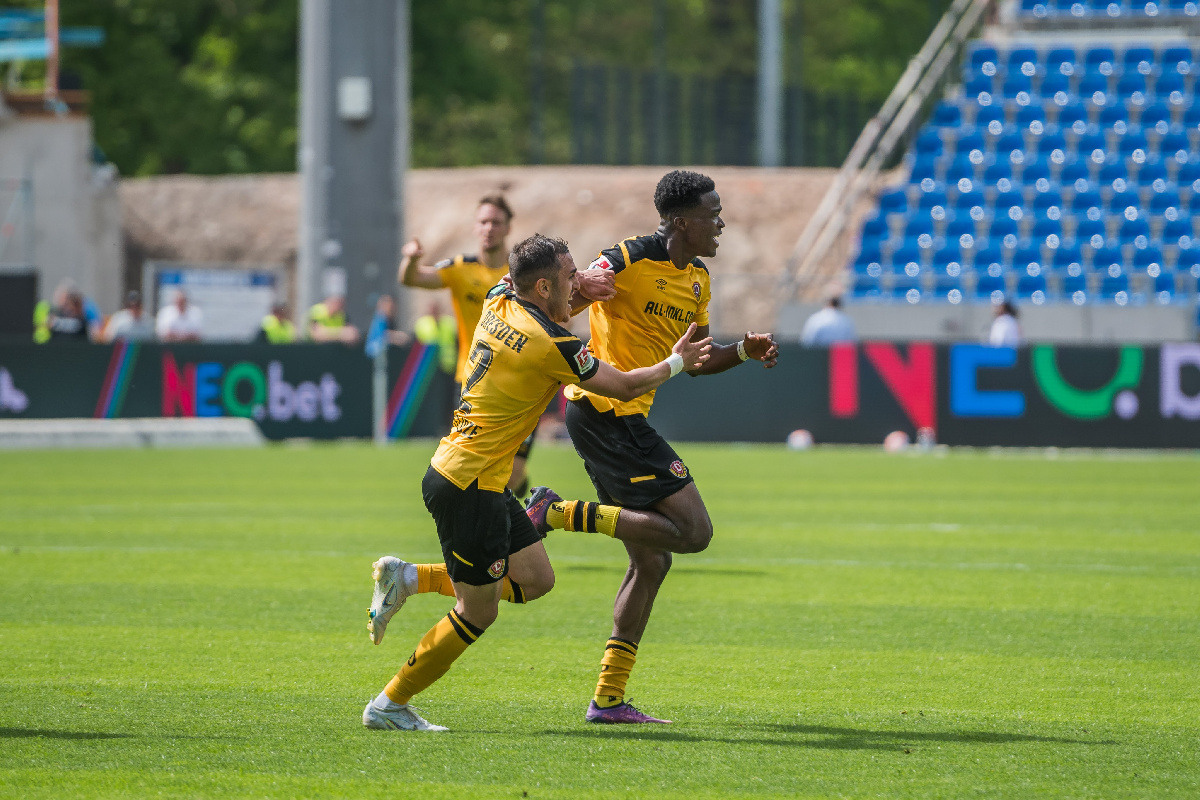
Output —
(396, 717)
(391, 590)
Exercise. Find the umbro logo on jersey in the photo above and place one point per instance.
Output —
(661, 283)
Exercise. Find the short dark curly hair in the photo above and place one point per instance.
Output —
(679, 191)
(533, 258)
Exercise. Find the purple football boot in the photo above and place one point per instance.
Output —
(622, 714)
(538, 505)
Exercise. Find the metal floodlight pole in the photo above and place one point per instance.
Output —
(52, 54)
(313, 152)
(770, 83)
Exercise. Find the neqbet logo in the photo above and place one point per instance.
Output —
(210, 389)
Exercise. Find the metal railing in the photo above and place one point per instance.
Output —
(876, 145)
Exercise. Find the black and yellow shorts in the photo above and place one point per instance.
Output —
(629, 463)
(478, 529)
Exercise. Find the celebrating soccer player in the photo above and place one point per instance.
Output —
(519, 357)
(469, 278)
(650, 501)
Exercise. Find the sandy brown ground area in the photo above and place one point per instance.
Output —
(254, 219)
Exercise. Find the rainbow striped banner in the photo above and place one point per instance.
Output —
(410, 389)
(116, 380)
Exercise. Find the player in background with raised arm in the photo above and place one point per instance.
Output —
(469, 278)
(519, 358)
(648, 499)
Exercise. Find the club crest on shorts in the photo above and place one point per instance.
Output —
(496, 570)
(678, 469)
(696, 290)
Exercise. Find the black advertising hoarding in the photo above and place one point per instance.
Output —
(320, 391)
(968, 394)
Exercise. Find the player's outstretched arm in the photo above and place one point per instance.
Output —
(688, 353)
(413, 273)
(594, 285)
(758, 346)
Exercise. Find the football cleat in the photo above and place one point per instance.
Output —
(390, 594)
(396, 717)
(622, 714)
(537, 506)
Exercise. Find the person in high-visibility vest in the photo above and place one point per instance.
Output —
(276, 327)
(440, 330)
(327, 322)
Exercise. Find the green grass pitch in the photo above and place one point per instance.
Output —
(949, 625)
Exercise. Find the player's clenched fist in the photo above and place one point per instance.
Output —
(761, 347)
(412, 249)
(695, 353)
(597, 285)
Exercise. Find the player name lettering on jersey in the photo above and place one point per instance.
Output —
(670, 312)
(503, 332)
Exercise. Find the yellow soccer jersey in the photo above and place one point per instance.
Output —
(655, 303)
(469, 280)
(519, 358)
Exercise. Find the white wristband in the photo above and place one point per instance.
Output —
(742, 350)
(675, 362)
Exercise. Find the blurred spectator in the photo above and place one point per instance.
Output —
(277, 328)
(1006, 331)
(95, 319)
(180, 321)
(382, 330)
(440, 330)
(828, 326)
(65, 319)
(327, 322)
(130, 323)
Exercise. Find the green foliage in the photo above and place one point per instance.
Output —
(191, 623)
(208, 86)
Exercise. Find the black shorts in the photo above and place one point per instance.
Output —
(629, 463)
(478, 529)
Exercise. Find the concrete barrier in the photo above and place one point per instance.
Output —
(47, 434)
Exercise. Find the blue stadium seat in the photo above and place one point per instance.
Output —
(1188, 174)
(1177, 229)
(893, 202)
(1075, 288)
(1069, 114)
(1059, 57)
(1131, 229)
(991, 256)
(1023, 60)
(969, 140)
(1001, 228)
(968, 200)
(1008, 143)
(989, 114)
(907, 259)
(1082, 201)
(947, 255)
(1154, 114)
(866, 287)
(1094, 89)
(929, 142)
(1164, 287)
(1045, 200)
(1089, 144)
(907, 289)
(1032, 118)
(1131, 143)
(1115, 117)
(1161, 201)
(1169, 87)
(875, 227)
(1138, 60)
(1016, 83)
(1098, 56)
(1044, 227)
(1151, 172)
(947, 115)
(1104, 259)
(1119, 201)
(1074, 171)
(984, 54)
(923, 167)
(1068, 258)
(978, 85)
(1089, 228)
(948, 288)
(1133, 86)
(960, 167)
(1147, 257)
(1176, 146)
(1177, 59)
(1054, 83)
(1191, 117)
(916, 225)
(1006, 200)
(1032, 287)
(960, 225)
(1034, 171)
(1051, 142)
(1115, 288)
(987, 287)
(1112, 172)
(997, 171)
(937, 197)
(1029, 253)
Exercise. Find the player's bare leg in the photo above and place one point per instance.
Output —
(677, 524)
(530, 570)
(518, 483)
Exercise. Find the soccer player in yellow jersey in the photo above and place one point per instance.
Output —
(662, 288)
(520, 356)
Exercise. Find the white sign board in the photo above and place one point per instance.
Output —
(234, 300)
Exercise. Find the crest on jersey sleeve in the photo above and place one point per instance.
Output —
(601, 263)
(584, 358)
(696, 290)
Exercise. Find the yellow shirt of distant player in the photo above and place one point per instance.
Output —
(518, 359)
(655, 303)
(469, 280)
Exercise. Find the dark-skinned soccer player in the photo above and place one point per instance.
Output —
(648, 498)
(520, 357)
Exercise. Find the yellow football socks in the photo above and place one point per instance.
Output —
(433, 578)
(585, 517)
(436, 651)
(619, 657)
